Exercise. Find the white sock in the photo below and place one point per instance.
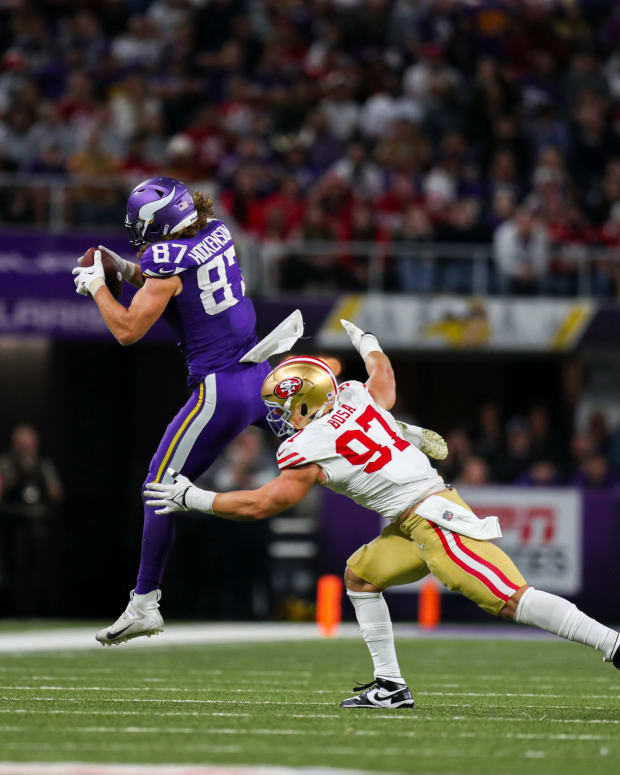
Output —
(374, 620)
(559, 616)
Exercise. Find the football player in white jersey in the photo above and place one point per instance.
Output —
(345, 438)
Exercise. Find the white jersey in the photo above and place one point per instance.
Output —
(363, 454)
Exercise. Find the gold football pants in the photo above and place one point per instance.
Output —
(407, 551)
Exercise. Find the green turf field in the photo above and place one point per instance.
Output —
(483, 706)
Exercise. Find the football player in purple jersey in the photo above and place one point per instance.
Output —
(189, 275)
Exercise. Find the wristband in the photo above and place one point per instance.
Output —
(369, 344)
(197, 499)
(97, 283)
(128, 270)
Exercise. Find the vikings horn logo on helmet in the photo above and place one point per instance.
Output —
(288, 387)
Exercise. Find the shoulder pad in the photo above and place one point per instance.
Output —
(292, 452)
(165, 259)
(353, 386)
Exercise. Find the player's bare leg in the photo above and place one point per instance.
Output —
(388, 689)
(561, 617)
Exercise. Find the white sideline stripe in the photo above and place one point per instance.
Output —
(285, 732)
(25, 711)
(469, 562)
(79, 638)
(163, 700)
(123, 689)
(526, 719)
(329, 704)
(85, 768)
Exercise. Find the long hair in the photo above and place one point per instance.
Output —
(204, 208)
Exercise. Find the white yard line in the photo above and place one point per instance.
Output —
(413, 716)
(79, 768)
(341, 715)
(47, 712)
(214, 687)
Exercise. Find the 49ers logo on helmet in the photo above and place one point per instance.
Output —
(288, 387)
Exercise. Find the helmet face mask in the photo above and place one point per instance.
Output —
(279, 419)
(157, 208)
(299, 390)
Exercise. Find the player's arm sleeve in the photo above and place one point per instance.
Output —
(299, 450)
(293, 454)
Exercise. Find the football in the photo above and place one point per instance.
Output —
(113, 278)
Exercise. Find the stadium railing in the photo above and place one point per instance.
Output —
(80, 202)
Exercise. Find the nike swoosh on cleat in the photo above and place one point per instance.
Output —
(112, 635)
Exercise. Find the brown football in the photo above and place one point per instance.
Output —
(113, 278)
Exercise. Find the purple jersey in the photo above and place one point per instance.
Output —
(212, 318)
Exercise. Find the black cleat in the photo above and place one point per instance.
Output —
(380, 693)
(615, 660)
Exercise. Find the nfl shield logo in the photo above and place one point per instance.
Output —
(448, 515)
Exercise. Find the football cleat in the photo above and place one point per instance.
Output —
(137, 619)
(380, 693)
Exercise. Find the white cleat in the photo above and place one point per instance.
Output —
(141, 617)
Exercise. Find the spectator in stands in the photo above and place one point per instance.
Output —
(308, 270)
(358, 172)
(487, 437)
(545, 442)
(542, 473)
(460, 225)
(582, 446)
(521, 253)
(475, 473)
(30, 491)
(282, 211)
(408, 104)
(459, 451)
(595, 473)
(415, 269)
(516, 456)
(431, 80)
(339, 107)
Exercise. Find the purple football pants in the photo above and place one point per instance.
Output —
(220, 407)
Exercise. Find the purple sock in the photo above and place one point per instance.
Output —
(157, 539)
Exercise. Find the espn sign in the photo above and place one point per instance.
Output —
(541, 531)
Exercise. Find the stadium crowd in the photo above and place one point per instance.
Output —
(531, 450)
(390, 121)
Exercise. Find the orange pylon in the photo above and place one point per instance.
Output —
(328, 604)
(429, 605)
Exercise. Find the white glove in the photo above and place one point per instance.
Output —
(363, 342)
(181, 495)
(88, 279)
(429, 442)
(125, 268)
